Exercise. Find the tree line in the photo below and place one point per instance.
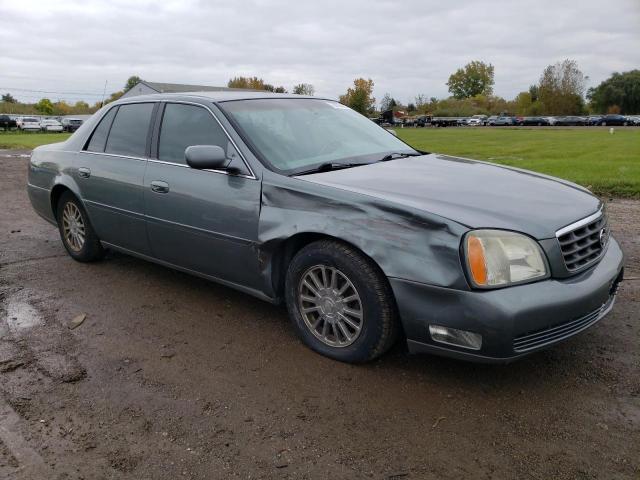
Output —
(560, 90)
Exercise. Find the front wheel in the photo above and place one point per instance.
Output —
(340, 303)
(76, 232)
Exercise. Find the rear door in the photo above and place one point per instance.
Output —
(202, 220)
(110, 173)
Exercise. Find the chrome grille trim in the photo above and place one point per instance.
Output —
(580, 223)
(580, 242)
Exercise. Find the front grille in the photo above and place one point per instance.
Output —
(546, 336)
(583, 244)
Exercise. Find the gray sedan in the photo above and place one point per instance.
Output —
(301, 200)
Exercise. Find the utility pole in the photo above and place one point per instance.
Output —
(103, 94)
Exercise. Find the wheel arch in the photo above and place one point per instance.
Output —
(56, 192)
(283, 252)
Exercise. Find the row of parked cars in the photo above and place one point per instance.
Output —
(33, 124)
(591, 120)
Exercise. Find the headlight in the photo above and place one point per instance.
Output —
(496, 258)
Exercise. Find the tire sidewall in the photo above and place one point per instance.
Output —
(358, 351)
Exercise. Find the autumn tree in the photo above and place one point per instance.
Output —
(304, 89)
(387, 103)
(61, 108)
(270, 88)
(561, 88)
(113, 97)
(253, 83)
(421, 102)
(619, 92)
(360, 96)
(44, 107)
(476, 78)
(132, 82)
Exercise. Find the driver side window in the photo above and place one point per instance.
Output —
(187, 125)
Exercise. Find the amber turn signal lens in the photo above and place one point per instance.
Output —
(477, 264)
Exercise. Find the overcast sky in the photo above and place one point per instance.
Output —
(407, 47)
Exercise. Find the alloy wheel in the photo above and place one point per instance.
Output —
(330, 306)
(73, 227)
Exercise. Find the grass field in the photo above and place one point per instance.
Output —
(29, 140)
(607, 164)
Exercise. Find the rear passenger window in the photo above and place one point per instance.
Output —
(99, 137)
(128, 135)
(184, 126)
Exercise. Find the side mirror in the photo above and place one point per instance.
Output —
(206, 156)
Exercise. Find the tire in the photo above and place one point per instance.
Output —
(378, 322)
(74, 224)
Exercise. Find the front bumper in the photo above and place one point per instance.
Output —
(513, 321)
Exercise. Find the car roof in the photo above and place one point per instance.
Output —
(222, 96)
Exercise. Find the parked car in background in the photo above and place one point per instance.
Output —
(593, 119)
(72, 124)
(51, 125)
(613, 120)
(504, 121)
(538, 121)
(7, 123)
(28, 124)
(570, 121)
(422, 121)
(364, 238)
(633, 119)
(491, 120)
(477, 120)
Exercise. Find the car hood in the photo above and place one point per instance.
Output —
(473, 193)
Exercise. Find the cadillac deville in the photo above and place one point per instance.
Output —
(367, 240)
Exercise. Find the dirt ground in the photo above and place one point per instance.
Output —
(173, 377)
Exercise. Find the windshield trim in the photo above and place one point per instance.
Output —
(261, 158)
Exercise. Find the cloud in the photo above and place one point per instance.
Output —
(407, 47)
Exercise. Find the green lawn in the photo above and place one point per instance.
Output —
(605, 163)
(28, 140)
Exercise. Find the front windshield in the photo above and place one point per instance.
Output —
(294, 135)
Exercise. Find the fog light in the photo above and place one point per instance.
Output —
(453, 336)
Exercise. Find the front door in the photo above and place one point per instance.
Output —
(202, 220)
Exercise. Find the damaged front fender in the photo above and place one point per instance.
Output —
(406, 243)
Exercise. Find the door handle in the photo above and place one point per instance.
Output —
(84, 172)
(159, 187)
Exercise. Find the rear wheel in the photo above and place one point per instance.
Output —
(76, 232)
(340, 303)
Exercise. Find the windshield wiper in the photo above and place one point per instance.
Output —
(328, 166)
(393, 155)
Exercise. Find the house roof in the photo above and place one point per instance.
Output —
(227, 94)
(161, 87)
